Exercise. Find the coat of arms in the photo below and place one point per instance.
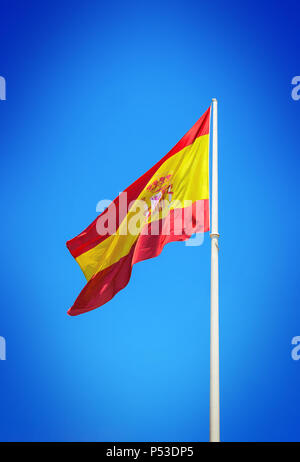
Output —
(163, 192)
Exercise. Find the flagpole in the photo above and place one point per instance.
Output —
(214, 402)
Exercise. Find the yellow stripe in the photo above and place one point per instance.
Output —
(189, 178)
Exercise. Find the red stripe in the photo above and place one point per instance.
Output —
(89, 238)
(106, 284)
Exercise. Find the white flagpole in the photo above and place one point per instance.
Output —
(214, 403)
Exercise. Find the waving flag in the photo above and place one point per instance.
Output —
(168, 203)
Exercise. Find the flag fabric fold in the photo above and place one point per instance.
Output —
(170, 202)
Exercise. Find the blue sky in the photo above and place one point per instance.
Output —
(96, 94)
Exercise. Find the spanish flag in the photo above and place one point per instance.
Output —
(170, 202)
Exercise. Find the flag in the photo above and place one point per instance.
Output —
(170, 202)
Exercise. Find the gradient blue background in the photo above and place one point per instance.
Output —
(96, 94)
